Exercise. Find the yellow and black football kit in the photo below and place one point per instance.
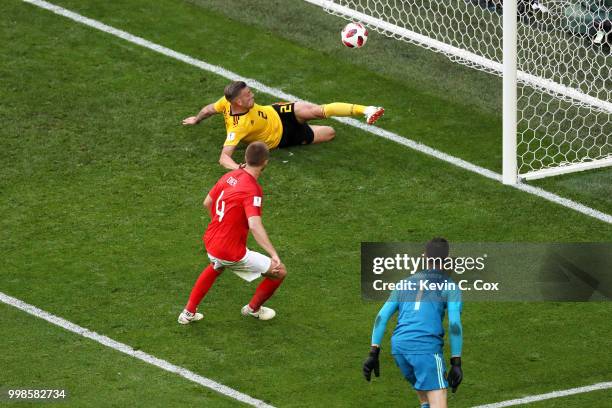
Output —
(275, 125)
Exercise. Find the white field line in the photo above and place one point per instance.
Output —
(554, 394)
(215, 386)
(141, 355)
(581, 208)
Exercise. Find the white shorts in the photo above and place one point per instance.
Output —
(249, 268)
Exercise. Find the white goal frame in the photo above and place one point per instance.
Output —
(510, 76)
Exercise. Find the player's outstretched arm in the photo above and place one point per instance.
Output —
(455, 374)
(380, 324)
(261, 236)
(372, 363)
(226, 160)
(204, 113)
(455, 328)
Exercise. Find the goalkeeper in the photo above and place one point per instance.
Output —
(417, 340)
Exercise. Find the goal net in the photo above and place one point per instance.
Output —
(563, 58)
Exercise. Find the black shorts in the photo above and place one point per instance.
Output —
(294, 132)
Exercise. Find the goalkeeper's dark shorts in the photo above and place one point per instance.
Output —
(294, 132)
(426, 372)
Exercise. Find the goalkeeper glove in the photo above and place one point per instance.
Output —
(372, 363)
(455, 375)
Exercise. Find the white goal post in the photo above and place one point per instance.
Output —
(557, 82)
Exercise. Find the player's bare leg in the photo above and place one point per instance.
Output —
(422, 397)
(322, 133)
(272, 280)
(305, 111)
(436, 398)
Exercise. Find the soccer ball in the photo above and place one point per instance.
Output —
(354, 35)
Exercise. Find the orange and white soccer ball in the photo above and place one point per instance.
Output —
(354, 35)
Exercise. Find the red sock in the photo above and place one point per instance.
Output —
(263, 292)
(204, 282)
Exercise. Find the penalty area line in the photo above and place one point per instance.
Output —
(140, 355)
(549, 395)
(573, 205)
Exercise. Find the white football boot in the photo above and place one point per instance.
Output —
(264, 313)
(187, 317)
(373, 113)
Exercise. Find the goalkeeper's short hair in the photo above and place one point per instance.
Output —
(437, 248)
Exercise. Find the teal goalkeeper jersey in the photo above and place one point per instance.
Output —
(419, 328)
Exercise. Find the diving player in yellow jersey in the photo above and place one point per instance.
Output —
(277, 125)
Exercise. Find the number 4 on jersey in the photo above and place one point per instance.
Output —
(220, 206)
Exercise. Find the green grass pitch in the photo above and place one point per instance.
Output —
(100, 202)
